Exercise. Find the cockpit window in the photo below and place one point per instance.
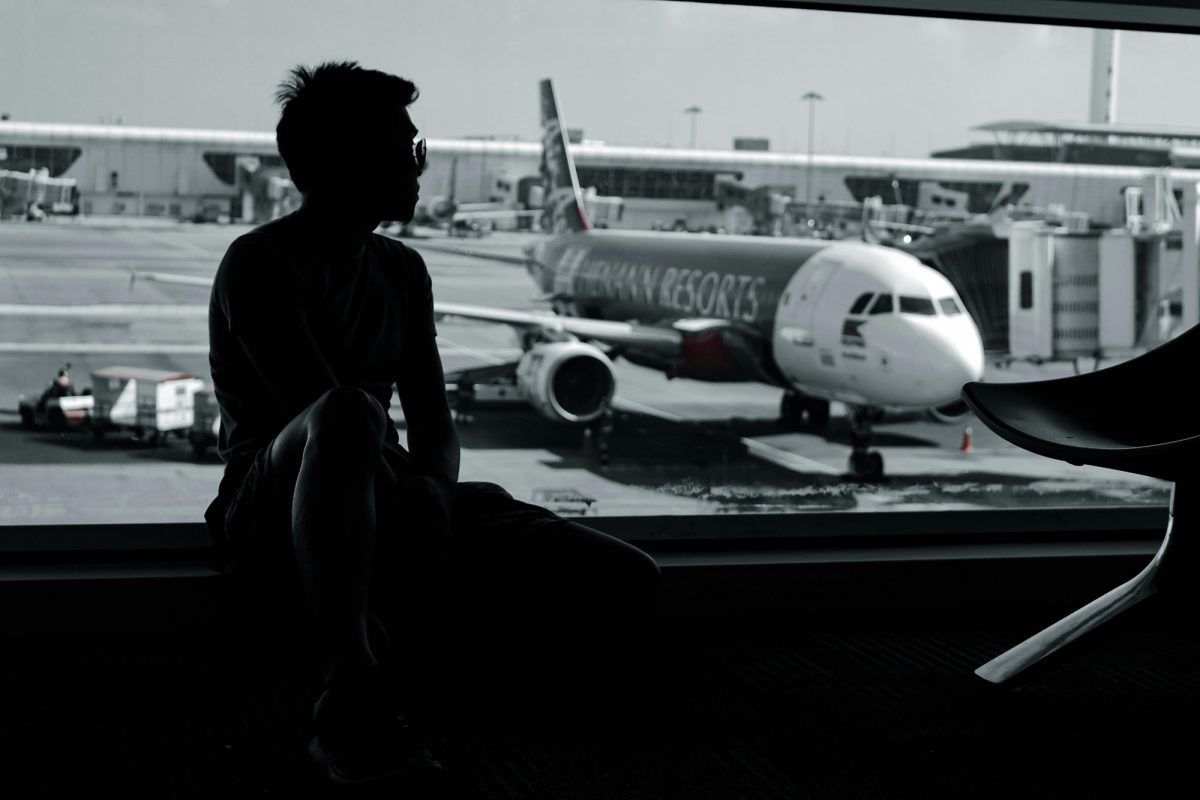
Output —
(917, 305)
(860, 305)
(949, 306)
(883, 304)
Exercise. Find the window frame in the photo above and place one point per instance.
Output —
(22, 545)
(698, 538)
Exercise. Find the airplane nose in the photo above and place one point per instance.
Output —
(937, 358)
(961, 358)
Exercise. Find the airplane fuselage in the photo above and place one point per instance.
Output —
(790, 312)
(623, 275)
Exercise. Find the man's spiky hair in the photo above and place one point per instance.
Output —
(324, 111)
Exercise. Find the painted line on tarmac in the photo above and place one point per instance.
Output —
(183, 348)
(767, 452)
(171, 349)
(118, 310)
(624, 403)
(787, 459)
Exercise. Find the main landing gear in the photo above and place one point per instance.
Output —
(597, 436)
(801, 412)
(463, 402)
(864, 464)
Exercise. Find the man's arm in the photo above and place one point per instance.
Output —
(432, 438)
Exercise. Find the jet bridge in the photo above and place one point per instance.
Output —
(33, 193)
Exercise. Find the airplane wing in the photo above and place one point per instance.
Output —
(499, 372)
(168, 277)
(666, 341)
(498, 214)
(422, 244)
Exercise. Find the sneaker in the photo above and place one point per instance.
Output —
(361, 740)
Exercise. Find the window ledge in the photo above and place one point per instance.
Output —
(861, 528)
(158, 578)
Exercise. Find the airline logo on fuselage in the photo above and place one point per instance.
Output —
(852, 333)
(682, 291)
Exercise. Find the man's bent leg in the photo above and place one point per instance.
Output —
(328, 456)
(329, 459)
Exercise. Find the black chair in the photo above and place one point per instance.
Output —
(1141, 416)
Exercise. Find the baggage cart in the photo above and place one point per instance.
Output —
(148, 402)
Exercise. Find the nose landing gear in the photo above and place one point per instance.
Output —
(864, 464)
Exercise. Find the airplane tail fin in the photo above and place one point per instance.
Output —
(562, 206)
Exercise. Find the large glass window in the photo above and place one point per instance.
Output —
(129, 161)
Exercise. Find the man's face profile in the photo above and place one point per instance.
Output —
(384, 173)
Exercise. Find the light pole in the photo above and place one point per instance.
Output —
(693, 110)
(811, 98)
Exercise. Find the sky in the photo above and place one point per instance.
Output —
(624, 70)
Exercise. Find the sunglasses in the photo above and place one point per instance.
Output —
(419, 155)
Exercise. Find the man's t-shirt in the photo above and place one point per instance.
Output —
(361, 301)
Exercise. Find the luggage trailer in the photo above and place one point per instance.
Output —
(149, 402)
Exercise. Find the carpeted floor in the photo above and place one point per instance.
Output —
(855, 706)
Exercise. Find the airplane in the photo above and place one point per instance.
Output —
(858, 323)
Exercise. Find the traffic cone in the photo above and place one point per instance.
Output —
(966, 440)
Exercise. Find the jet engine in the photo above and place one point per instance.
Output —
(567, 381)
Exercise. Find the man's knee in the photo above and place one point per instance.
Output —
(347, 419)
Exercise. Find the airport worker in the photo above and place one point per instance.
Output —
(312, 320)
(59, 387)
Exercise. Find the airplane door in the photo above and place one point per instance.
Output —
(796, 352)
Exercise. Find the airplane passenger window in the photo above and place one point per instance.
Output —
(917, 305)
(883, 304)
(949, 306)
(613, 257)
(860, 305)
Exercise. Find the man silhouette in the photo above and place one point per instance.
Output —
(312, 320)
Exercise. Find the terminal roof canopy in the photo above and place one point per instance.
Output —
(1092, 130)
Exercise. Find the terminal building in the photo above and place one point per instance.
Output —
(1083, 143)
(238, 175)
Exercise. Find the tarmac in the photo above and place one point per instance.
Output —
(678, 446)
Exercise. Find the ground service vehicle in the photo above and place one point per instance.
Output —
(58, 406)
(148, 402)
